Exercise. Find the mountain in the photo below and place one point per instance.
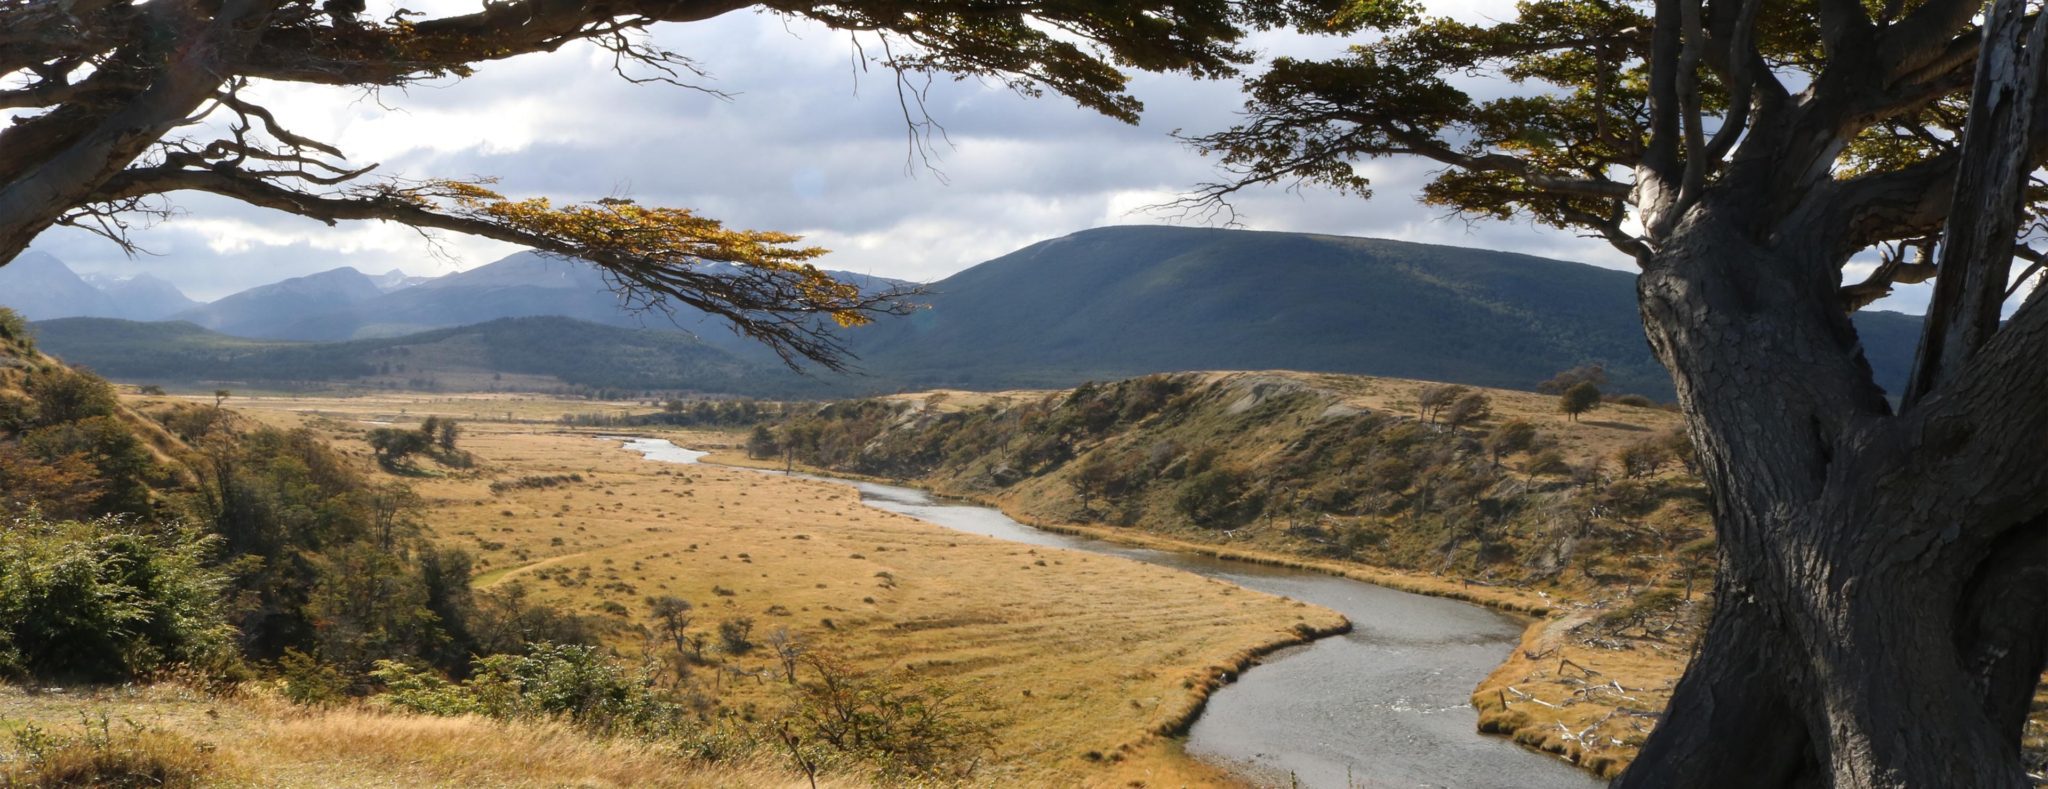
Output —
(1101, 304)
(252, 313)
(1124, 301)
(141, 297)
(397, 279)
(523, 354)
(40, 286)
(526, 284)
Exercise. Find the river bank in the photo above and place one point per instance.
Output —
(1586, 700)
(1386, 703)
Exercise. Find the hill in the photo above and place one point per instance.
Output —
(1121, 301)
(529, 354)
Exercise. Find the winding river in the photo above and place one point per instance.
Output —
(1382, 706)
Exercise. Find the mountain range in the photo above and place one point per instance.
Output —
(1099, 304)
(41, 287)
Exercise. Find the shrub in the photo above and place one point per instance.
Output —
(904, 730)
(66, 395)
(1509, 438)
(14, 328)
(737, 635)
(309, 681)
(1550, 462)
(100, 756)
(1643, 458)
(578, 684)
(1212, 498)
(101, 601)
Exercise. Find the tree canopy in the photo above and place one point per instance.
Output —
(118, 103)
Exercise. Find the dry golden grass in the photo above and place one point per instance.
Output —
(1086, 663)
(256, 740)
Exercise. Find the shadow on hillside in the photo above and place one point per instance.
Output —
(1615, 425)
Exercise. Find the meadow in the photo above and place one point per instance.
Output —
(1084, 665)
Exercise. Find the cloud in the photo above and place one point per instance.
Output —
(807, 142)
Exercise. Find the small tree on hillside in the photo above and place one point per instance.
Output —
(1470, 408)
(1579, 399)
(447, 435)
(1510, 437)
(1642, 458)
(1432, 399)
(1594, 374)
(1098, 476)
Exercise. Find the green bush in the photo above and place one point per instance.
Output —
(102, 601)
(66, 395)
(578, 684)
(309, 681)
(14, 328)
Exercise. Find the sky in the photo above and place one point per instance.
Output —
(806, 143)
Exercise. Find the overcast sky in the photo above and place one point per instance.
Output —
(806, 144)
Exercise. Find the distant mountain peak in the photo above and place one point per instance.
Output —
(396, 280)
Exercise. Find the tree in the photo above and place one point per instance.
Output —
(1469, 408)
(118, 104)
(1098, 476)
(449, 432)
(1432, 399)
(1582, 397)
(1510, 437)
(672, 621)
(393, 445)
(761, 443)
(1882, 614)
(1586, 373)
(1643, 458)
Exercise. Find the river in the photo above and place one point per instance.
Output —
(1382, 706)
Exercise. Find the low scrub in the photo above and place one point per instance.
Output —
(101, 754)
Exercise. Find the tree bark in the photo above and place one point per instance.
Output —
(1879, 614)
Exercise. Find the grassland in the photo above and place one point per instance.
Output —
(257, 740)
(1086, 664)
(1586, 685)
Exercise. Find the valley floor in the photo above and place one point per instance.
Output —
(1085, 663)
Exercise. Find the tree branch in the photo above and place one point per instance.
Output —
(1991, 177)
(769, 294)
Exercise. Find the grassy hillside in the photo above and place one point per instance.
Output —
(1340, 474)
(1122, 301)
(526, 354)
(1596, 524)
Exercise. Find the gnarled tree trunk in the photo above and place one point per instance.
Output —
(1881, 610)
